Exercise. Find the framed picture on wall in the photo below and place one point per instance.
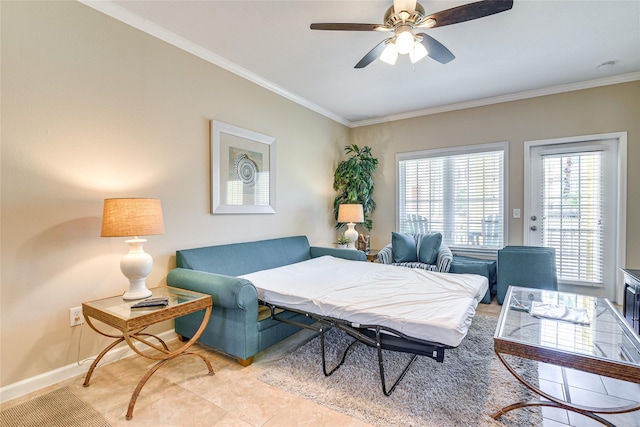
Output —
(242, 170)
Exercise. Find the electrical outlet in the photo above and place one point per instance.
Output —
(75, 316)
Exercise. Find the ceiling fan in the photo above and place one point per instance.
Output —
(406, 16)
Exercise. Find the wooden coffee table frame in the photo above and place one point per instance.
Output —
(132, 329)
(598, 366)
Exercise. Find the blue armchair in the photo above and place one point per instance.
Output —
(441, 263)
(527, 266)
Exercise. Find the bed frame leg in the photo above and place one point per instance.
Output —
(324, 359)
(381, 365)
(382, 378)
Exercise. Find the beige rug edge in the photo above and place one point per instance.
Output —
(59, 407)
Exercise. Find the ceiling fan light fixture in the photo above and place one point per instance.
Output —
(389, 54)
(427, 23)
(404, 42)
(405, 17)
(418, 52)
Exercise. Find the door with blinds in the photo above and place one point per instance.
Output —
(572, 195)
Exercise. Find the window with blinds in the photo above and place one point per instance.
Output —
(458, 193)
(572, 205)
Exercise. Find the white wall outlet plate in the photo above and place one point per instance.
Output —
(75, 316)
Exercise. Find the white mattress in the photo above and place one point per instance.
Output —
(437, 307)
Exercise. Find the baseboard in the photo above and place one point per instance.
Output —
(46, 379)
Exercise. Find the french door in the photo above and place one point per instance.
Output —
(573, 203)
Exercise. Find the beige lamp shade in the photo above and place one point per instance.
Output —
(129, 217)
(350, 213)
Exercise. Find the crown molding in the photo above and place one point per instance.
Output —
(552, 90)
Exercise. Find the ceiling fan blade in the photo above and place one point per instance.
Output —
(406, 5)
(436, 50)
(373, 54)
(346, 27)
(467, 12)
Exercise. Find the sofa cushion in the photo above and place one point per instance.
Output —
(428, 248)
(403, 247)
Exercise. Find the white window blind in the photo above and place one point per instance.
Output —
(572, 214)
(460, 195)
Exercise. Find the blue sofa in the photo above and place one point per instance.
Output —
(238, 327)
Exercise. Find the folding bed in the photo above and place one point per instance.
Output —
(395, 308)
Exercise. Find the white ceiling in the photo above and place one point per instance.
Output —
(538, 47)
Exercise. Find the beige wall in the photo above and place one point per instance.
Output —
(607, 109)
(92, 108)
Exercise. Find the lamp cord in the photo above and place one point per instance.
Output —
(78, 362)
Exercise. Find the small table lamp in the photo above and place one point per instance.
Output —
(351, 214)
(133, 218)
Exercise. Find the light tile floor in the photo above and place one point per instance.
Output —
(181, 394)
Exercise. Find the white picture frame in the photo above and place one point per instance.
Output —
(242, 170)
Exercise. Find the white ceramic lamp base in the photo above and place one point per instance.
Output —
(352, 235)
(136, 266)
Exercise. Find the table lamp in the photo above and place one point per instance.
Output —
(351, 214)
(128, 217)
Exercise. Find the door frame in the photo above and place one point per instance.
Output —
(621, 197)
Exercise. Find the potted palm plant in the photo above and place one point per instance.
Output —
(353, 180)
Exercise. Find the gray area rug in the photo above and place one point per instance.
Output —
(58, 408)
(464, 390)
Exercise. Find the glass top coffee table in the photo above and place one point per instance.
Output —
(574, 331)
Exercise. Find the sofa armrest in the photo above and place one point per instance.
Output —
(317, 251)
(226, 291)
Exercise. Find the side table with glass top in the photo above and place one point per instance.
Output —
(603, 345)
(132, 322)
